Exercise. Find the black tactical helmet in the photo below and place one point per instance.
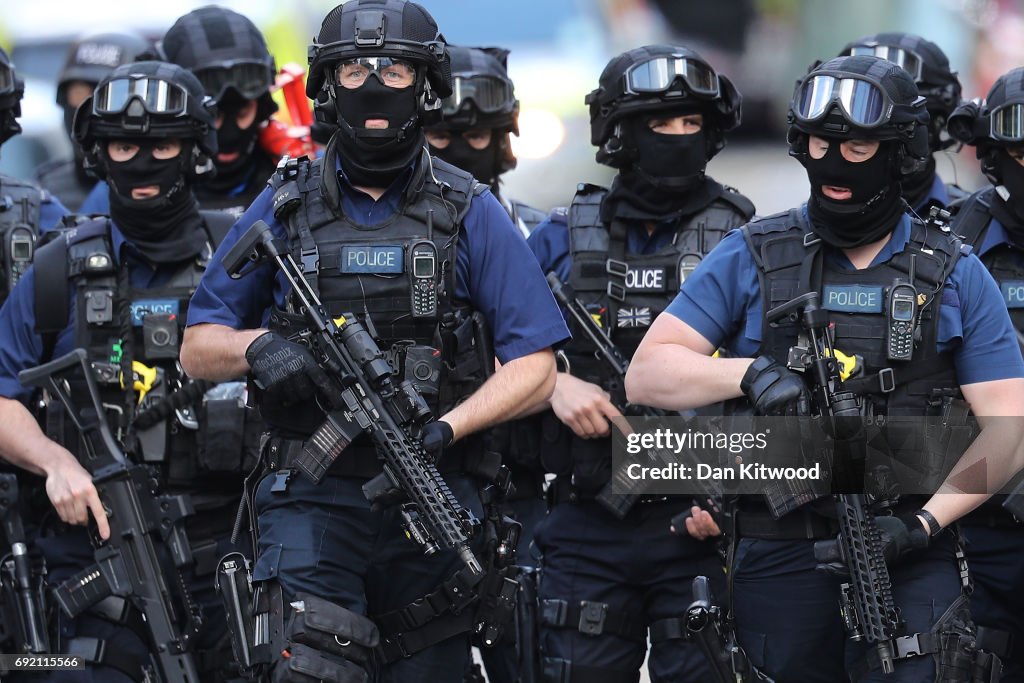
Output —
(91, 58)
(928, 65)
(483, 95)
(225, 51)
(149, 100)
(861, 97)
(657, 78)
(994, 124)
(11, 91)
(381, 28)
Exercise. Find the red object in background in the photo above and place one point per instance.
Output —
(292, 138)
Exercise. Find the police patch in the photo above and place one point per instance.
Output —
(1013, 293)
(853, 298)
(634, 317)
(143, 307)
(645, 279)
(379, 259)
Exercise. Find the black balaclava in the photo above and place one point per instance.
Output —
(666, 172)
(482, 163)
(232, 139)
(917, 186)
(371, 157)
(166, 228)
(872, 211)
(1010, 211)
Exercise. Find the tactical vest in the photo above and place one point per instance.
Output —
(789, 260)
(371, 271)
(19, 227)
(626, 292)
(194, 432)
(1005, 261)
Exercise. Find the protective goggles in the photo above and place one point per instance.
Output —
(864, 103)
(157, 96)
(7, 81)
(1007, 123)
(396, 73)
(901, 57)
(250, 79)
(658, 74)
(488, 94)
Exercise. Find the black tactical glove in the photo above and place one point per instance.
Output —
(286, 371)
(903, 537)
(775, 390)
(437, 436)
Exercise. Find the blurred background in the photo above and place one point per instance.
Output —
(559, 48)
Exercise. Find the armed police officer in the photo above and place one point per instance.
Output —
(229, 56)
(89, 60)
(119, 289)
(938, 84)
(478, 121)
(658, 115)
(992, 221)
(853, 121)
(25, 208)
(378, 71)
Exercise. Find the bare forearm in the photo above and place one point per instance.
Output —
(216, 352)
(515, 388)
(673, 377)
(22, 443)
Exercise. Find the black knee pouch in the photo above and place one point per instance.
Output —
(308, 665)
(332, 629)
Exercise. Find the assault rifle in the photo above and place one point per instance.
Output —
(368, 400)
(21, 603)
(619, 504)
(866, 601)
(712, 630)
(141, 561)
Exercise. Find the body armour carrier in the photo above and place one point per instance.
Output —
(379, 271)
(626, 292)
(790, 261)
(19, 227)
(193, 431)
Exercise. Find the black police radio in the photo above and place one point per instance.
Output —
(19, 245)
(901, 312)
(423, 268)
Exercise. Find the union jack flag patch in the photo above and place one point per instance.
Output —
(634, 317)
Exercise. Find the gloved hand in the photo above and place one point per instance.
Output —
(775, 390)
(436, 437)
(286, 371)
(903, 537)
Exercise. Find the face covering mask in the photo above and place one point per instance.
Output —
(164, 227)
(375, 157)
(233, 140)
(666, 177)
(482, 163)
(1011, 174)
(874, 207)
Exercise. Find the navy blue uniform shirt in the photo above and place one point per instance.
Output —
(550, 242)
(494, 271)
(721, 300)
(21, 347)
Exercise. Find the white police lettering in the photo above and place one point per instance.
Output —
(143, 307)
(853, 298)
(372, 259)
(645, 279)
(1013, 293)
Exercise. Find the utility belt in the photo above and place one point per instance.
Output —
(992, 517)
(797, 525)
(361, 462)
(562, 490)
